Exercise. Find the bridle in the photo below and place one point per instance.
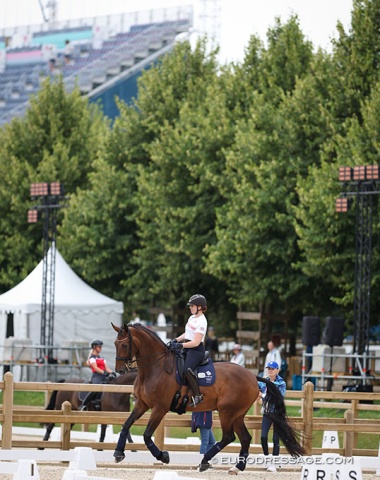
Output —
(128, 361)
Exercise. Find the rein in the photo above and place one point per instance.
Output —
(129, 362)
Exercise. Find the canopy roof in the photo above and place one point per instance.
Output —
(71, 293)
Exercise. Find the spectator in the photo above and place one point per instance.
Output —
(68, 52)
(203, 421)
(273, 355)
(238, 356)
(211, 343)
(273, 369)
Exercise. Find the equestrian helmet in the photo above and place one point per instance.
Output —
(197, 299)
(96, 343)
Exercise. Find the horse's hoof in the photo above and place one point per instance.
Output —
(119, 456)
(164, 457)
(233, 471)
(202, 467)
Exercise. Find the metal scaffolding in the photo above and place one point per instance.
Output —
(363, 184)
(49, 195)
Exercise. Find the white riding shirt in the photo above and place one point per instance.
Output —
(196, 325)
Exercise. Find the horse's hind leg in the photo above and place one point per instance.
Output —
(227, 438)
(245, 440)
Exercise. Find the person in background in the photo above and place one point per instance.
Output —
(238, 356)
(211, 343)
(100, 370)
(193, 343)
(273, 355)
(273, 376)
(68, 52)
(203, 421)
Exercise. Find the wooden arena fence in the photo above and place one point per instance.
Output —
(307, 400)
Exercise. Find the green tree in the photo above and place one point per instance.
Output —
(256, 243)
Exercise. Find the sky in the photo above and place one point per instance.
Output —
(238, 18)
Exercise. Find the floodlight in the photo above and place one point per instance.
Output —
(32, 216)
(372, 172)
(56, 188)
(39, 189)
(345, 174)
(359, 173)
(342, 205)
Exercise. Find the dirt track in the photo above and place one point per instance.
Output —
(122, 472)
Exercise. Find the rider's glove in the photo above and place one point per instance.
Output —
(112, 375)
(172, 344)
(178, 346)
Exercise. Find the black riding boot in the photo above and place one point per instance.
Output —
(192, 382)
(86, 401)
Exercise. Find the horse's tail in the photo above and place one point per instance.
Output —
(53, 398)
(275, 408)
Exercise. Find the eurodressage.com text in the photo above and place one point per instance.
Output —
(278, 461)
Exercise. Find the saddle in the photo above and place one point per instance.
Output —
(205, 374)
(180, 363)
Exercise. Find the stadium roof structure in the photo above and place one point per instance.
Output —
(106, 60)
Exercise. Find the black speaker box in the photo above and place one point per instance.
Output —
(311, 331)
(333, 332)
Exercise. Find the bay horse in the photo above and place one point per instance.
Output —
(109, 401)
(156, 388)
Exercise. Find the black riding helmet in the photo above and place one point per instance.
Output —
(96, 343)
(198, 300)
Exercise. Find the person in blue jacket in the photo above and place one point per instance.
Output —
(273, 369)
(203, 421)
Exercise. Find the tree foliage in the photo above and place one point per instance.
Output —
(57, 140)
(216, 180)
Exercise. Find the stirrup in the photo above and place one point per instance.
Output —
(196, 400)
(83, 408)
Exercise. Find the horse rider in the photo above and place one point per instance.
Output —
(193, 341)
(100, 371)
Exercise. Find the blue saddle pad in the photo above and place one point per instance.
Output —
(205, 374)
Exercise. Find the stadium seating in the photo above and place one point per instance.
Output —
(93, 63)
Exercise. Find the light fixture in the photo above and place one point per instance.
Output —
(56, 188)
(359, 173)
(372, 172)
(32, 216)
(342, 205)
(345, 174)
(39, 189)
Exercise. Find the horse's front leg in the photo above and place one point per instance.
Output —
(154, 420)
(139, 409)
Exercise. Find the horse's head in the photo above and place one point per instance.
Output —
(124, 348)
(137, 343)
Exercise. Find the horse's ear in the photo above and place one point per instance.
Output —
(117, 329)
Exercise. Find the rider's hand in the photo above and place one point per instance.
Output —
(172, 344)
(179, 346)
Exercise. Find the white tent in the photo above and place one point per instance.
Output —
(81, 313)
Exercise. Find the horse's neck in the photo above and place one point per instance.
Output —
(151, 357)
